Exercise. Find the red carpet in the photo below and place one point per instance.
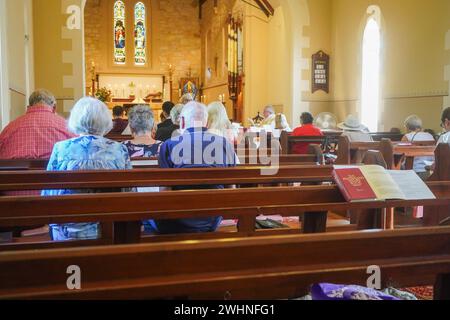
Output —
(422, 293)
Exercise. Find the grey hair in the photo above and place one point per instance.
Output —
(186, 98)
(413, 123)
(270, 108)
(141, 119)
(194, 114)
(175, 113)
(42, 96)
(90, 116)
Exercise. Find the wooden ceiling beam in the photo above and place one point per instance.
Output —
(200, 5)
(266, 7)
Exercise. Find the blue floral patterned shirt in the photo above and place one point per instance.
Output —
(84, 153)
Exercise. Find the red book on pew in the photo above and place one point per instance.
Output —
(353, 185)
(371, 182)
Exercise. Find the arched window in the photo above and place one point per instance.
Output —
(371, 62)
(140, 34)
(119, 33)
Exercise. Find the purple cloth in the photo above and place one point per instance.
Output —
(328, 291)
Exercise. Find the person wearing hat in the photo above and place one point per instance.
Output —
(355, 130)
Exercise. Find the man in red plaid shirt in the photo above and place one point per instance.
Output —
(33, 135)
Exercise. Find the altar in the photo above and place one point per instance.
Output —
(130, 90)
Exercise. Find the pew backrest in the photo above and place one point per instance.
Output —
(273, 268)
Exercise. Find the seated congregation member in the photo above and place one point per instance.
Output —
(141, 124)
(219, 123)
(307, 128)
(184, 151)
(445, 124)
(119, 123)
(33, 135)
(166, 128)
(354, 130)
(413, 125)
(175, 116)
(91, 119)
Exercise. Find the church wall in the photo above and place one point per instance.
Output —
(319, 34)
(276, 55)
(58, 54)
(214, 39)
(413, 53)
(173, 36)
(17, 57)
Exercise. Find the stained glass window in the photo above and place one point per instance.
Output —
(140, 34)
(119, 33)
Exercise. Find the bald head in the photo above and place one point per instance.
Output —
(194, 115)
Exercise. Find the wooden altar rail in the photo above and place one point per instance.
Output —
(126, 210)
(393, 153)
(273, 268)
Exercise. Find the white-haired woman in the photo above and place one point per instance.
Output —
(413, 125)
(219, 123)
(142, 122)
(91, 120)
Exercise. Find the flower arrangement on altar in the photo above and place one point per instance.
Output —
(103, 95)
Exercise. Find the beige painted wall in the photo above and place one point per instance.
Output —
(214, 42)
(59, 53)
(18, 58)
(413, 53)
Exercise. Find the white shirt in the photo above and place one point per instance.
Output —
(445, 138)
(420, 162)
(358, 136)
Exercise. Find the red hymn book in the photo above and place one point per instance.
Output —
(353, 185)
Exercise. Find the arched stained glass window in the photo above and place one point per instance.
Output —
(140, 34)
(119, 33)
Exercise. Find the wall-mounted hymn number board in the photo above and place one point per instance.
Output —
(320, 72)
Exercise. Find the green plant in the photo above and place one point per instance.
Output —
(103, 95)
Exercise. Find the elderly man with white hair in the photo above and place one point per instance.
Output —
(33, 135)
(91, 120)
(195, 148)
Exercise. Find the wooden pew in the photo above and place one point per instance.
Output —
(396, 154)
(379, 136)
(41, 180)
(250, 159)
(287, 141)
(126, 210)
(441, 172)
(119, 137)
(23, 164)
(393, 153)
(273, 268)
